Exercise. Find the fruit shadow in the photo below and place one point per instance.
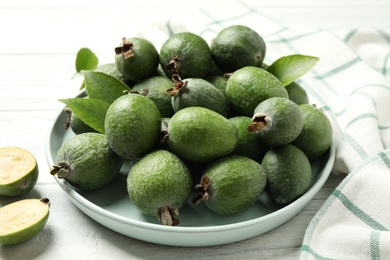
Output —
(34, 247)
(32, 194)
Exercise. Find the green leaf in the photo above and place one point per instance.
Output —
(91, 111)
(86, 60)
(103, 87)
(289, 68)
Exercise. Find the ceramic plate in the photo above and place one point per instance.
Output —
(111, 207)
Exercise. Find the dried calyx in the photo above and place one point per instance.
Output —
(174, 65)
(69, 112)
(178, 85)
(260, 122)
(62, 170)
(168, 216)
(126, 49)
(202, 195)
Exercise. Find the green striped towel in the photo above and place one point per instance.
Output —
(350, 84)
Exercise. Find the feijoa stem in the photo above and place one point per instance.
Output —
(178, 85)
(167, 216)
(173, 65)
(126, 49)
(203, 195)
(45, 201)
(69, 112)
(61, 170)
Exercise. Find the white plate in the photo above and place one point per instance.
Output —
(111, 207)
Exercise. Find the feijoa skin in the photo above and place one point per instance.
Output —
(159, 184)
(249, 86)
(219, 81)
(198, 92)
(288, 172)
(297, 93)
(231, 184)
(18, 171)
(155, 88)
(22, 220)
(185, 54)
(87, 162)
(136, 58)
(237, 46)
(277, 121)
(132, 126)
(199, 134)
(248, 144)
(316, 135)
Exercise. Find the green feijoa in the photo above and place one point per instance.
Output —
(87, 162)
(198, 92)
(136, 58)
(214, 70)
(288, 173)
(297, 94)
(316, 135)
(248, 144)
(132, 126)
(219, 81)
(277, 121)
(159, 184)
(200, 134)
(237, 46)
(249, 86)
(156, 88)
(186, 54)
(231, 184)
(22, 220)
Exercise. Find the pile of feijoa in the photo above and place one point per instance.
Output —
(201, 122)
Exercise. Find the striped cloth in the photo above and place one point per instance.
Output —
(350, 83)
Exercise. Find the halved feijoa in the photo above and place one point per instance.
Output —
(22, 220)
(18, 171)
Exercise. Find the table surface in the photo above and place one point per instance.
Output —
(39, 40)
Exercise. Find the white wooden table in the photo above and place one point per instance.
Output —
(38, 43)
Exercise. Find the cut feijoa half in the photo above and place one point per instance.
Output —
(18, 171)
(22, 220)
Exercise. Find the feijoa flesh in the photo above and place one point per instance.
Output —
(231, 184)
(18, 171)
(22, 220)
(159, 184)
(87, 162)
